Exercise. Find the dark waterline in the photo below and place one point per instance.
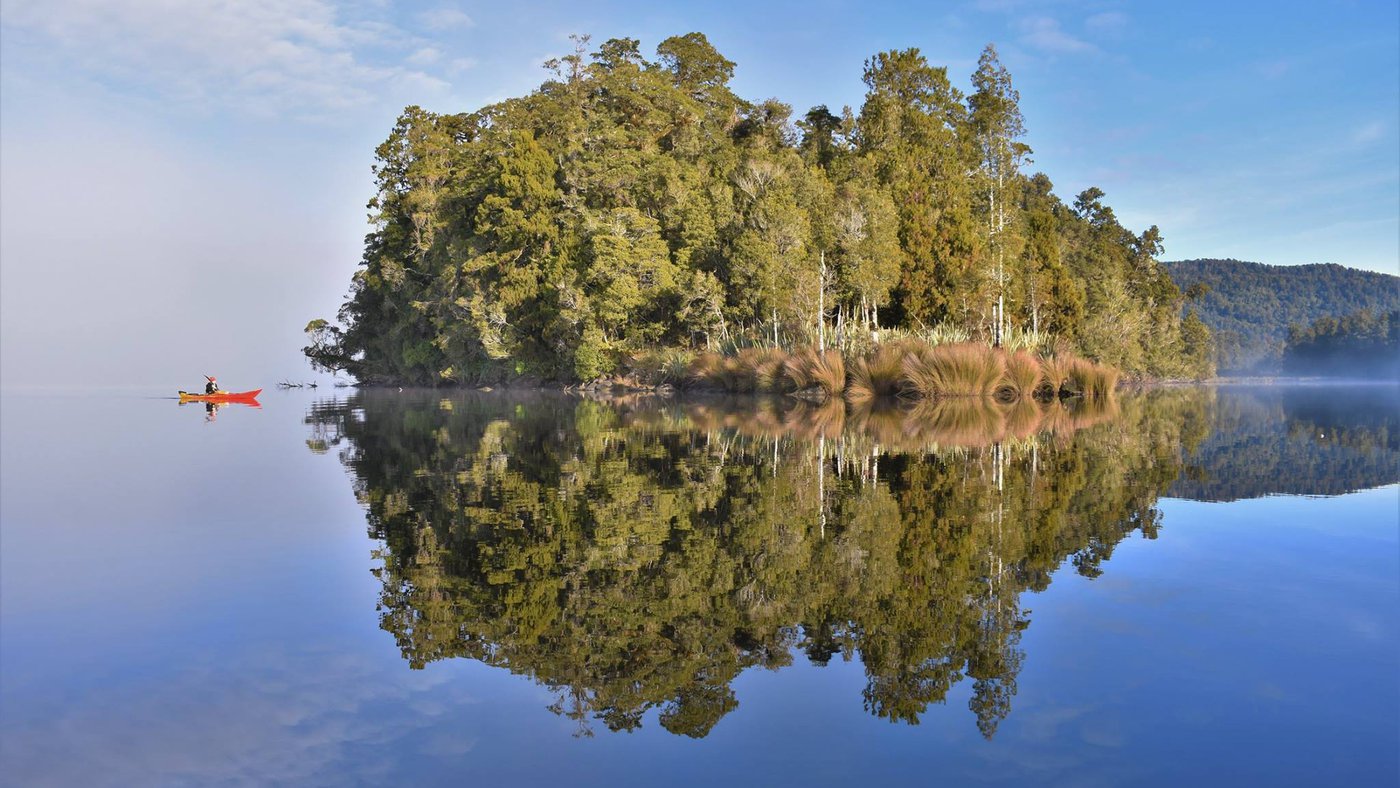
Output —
(429, 587)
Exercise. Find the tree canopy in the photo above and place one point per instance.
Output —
(630, 203)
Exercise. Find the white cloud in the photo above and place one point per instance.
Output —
(1045, 34)
(425, 56)
(266, 57)
(445, 19)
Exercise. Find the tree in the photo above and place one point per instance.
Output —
(695, 65)
(996, 121)
(908, 129)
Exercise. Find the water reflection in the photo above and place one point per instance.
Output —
(1295, 440)
(211, 409)
(638, 554)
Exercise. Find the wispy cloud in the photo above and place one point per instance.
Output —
(1368, 133)
(425, 56)
(1045, 34)
(1108, 22)
(266, 57)
(295, 717)
(445, 18)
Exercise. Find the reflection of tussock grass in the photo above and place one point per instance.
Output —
(968, 422)
(908, 368)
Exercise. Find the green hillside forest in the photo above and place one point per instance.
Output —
(1362, 344)
(634, 203)
(1250, 307)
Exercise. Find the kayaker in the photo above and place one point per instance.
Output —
(212, 386)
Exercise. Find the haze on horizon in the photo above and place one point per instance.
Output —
(182, 186)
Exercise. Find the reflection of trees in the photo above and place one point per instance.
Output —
(1300, 441)
(640, 555)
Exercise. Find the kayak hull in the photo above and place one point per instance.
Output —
(221, 396)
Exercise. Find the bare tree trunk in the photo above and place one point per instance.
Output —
(821, 306)
(821, 483)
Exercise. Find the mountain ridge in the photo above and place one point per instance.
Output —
(1249, 306)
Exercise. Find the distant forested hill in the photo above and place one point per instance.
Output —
(1362, 344)
(1250, 306)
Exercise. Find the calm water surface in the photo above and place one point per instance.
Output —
(1194, 585)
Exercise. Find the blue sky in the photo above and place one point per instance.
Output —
(183, 184)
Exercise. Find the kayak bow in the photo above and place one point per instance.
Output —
(221, 396)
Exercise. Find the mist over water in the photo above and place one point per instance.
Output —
(431, 586)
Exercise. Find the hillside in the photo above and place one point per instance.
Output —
(1250, 306)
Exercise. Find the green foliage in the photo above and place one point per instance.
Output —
(629, 204)
(1361, 344)
(1249, 307)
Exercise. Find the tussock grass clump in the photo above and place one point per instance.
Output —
(825, 371)
(752, 369)
(1023, 375)
(763, 367)
(964, 369)
(879, 374)
(704, 369)
(906, 367)
(1081, 373)
(1096, 380)
(1055, 370)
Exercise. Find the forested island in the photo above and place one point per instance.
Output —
(1251, 308)
(632, 211)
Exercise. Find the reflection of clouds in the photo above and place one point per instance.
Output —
(1037, 748)
(285, 717)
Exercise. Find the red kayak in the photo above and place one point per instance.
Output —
(221, 396)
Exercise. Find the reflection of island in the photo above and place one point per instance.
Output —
(1302, 440)
(639, 555)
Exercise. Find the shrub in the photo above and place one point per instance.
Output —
(666, 365)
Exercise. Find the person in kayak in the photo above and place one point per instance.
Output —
(212, 386)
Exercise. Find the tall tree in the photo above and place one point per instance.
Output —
(996, 121)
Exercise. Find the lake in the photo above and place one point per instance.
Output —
(438, 587)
